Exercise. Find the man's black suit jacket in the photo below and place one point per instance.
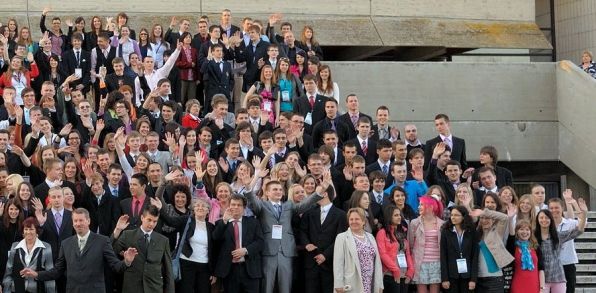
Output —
(252, 240)
(51, 235)
(458, 151)
(69, 64)
(347, 120)
(321, 235)
(371, 155)
(217, 81)
(245, 54)
(301, 105)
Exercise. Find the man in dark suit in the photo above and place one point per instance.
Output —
(248, 149)
(53, 169)
(436, 169)
(318, 229)
(151, 270)
(453, 173)
(82, 258)
(254, 55)
(134, 206)
(78, 61)
(365, 146)
(350, 118)
(218, 75)
(241, 243)
(226, 23)
(457, 145)
(214, 39)
(58, 224)
(172, 37)
(488, 179)
(330, 122)
(383, 164)
(102, 206)
(303, 141)
(312, 105)
(259, 120)
(330, 139)
(382, 130)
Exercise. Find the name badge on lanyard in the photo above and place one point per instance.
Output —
(462, 265)
(401, 260)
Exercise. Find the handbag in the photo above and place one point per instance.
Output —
(176, 259)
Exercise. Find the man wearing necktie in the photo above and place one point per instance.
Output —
(217, 75)
(101, 205)
(456, 144)
(77, 61)
(151, 270)
(254, 55)
(275, 217)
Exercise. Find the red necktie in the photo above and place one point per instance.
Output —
(137, 207)
(311, 100)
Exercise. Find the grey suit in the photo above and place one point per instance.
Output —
(151, 271)
(274, 261)
(164, 159)
(84, 270)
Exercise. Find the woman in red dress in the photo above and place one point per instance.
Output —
(528, 270)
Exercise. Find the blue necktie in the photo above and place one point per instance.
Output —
(278, 209)
(385, 169)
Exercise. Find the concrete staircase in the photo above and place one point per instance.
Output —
(585, 246)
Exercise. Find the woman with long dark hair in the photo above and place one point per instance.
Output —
(399, 198)
(459, 252)
(10, 228)
(550, 240)
(362, 199)
(394, 249)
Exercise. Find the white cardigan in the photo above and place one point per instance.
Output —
(346, 266)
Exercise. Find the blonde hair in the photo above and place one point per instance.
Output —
(469, 189)
(532, 216)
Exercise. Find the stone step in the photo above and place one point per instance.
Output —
(588, 236)
(585, 290)
(585, 268)
(586, 280)
(586, 256)
(585, 245)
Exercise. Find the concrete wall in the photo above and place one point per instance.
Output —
(512, 106)
(576, 28)
(577, 122)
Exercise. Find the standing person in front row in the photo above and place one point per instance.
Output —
(151, 272)
(276, 222)
(82, 258)
(394, 249)
(550, 241)
(459, 252)
(356, 261)
(528, 268)
(318, 229)
(424, 236)
(241, 243)
(493, 255)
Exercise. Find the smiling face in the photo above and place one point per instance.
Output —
(543, 220)
(399, 198)
(356, 222)
(523, 232)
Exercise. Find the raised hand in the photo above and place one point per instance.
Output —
(88, 169)
(130, 254)
(438, 150)
(199, 172)
(394, 132)
(173, 22)
(223, 164)
(173, 175)
(17, 150)
(568, 195)
(123, 222)
(100, 125)
(582, 205)
(182, 141)
(69, 22)
(45, 11)
(156, 202)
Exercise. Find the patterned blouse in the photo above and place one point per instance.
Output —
(553, 269)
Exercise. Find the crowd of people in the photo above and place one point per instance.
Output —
(124, 167)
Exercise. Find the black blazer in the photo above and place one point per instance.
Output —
(302, 106)
(375, 133)
(203, 52)
(504, 176)
(218, 81)
(376, 167)
(41, 191)
(371, 155)
(246, 54)
(252, 240)
(103, 215)
(321, 235)
(341, 129)
(54, 237)
(69, 63)
(345, 119)
(451, 251)
(126, 208)
(179, 223)
(458, 152)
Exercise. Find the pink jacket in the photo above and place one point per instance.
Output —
(416, 238)
(215, 211)
(389, 250)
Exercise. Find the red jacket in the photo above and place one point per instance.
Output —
(184, 64)
(388, 252)
(6, 79)
(190, 122)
